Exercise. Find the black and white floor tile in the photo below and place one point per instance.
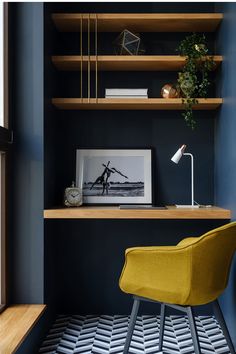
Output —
(106, 335)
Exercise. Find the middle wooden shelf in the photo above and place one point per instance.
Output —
(123, 62)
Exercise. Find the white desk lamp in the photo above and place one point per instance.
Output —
(177, 156)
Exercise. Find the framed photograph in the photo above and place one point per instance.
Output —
(116, 176)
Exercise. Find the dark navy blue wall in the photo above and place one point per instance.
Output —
(26, 110)
(225, 143)
(84, 258)
(164, 131)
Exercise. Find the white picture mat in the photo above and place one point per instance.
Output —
(82, 155)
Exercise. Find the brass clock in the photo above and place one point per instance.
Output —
(73, 196)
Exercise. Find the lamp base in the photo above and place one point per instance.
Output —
(187, 206)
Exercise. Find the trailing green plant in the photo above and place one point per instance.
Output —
(194, 80)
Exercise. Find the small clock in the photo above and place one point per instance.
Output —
(73, 196)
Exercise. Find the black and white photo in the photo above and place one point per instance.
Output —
(116, 176)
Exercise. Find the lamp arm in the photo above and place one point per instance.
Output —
(192, 176)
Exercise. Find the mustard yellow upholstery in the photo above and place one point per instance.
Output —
(194, 272)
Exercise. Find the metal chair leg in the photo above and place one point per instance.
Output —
(132, 321)
(220, 318)
(162, 324)
(193, 330)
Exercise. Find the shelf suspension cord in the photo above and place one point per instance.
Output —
(96, 53)
(81, 57)
(88, 58)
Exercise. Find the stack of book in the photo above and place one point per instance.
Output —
(126, 93)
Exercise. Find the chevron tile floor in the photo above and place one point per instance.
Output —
(106, 334)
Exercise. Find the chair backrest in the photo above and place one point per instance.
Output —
(212, 254)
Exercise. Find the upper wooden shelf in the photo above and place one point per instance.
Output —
(154, 22)
(124, 62)
(133, 104)
(109, 212)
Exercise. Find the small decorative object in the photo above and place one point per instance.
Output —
(194, 79)
(114, 176)
(170, 91)
(126, 93)
(127, 43)
(73, 196)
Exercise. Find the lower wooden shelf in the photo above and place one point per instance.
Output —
(15, 323)
(134, 104)
(113, 212)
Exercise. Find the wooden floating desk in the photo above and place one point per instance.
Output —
(114, 212)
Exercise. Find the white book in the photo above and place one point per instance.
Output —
(125, 96)
(126, 92)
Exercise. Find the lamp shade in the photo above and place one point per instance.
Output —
(179, 153)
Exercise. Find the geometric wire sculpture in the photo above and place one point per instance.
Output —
(127, 43)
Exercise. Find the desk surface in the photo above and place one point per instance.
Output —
(114, 212)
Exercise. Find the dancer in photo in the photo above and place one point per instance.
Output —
(104, 178)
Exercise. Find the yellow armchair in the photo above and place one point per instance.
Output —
(194, 272)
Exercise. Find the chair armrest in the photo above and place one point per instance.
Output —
(159, 273)
(188, 241)
(152, 248)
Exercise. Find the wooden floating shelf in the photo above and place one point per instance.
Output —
(124, 62)
(108, 212)
(133, 104)
(157, 22)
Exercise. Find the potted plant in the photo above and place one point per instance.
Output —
(193, 80)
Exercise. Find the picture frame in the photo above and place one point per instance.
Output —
(114, 176)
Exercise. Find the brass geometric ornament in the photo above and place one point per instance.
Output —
(127, 43)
